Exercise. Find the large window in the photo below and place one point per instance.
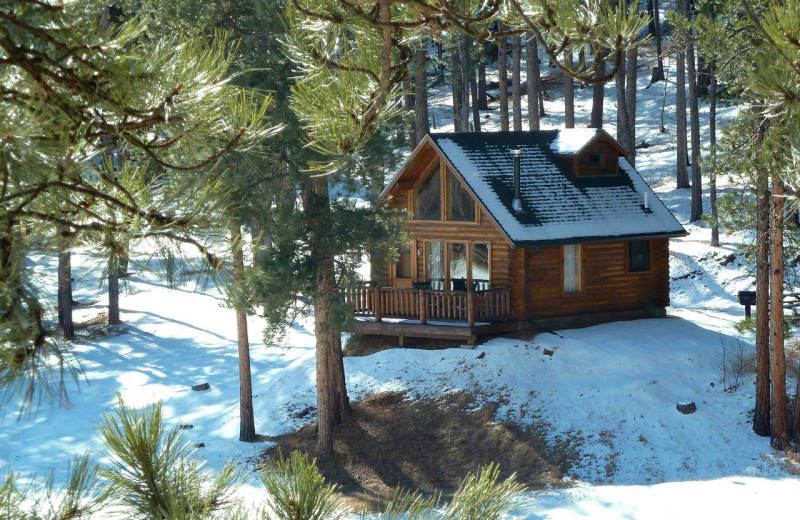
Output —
(572, 268)
(460, 206)
(457, 266)
(638, 256)
(480, 266)
(457, 260)
(434, 264)
(403, 265)
(428, 201)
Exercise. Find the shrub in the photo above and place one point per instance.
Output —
(81, 497)
(152, 472)
(298, 491)
(483, 496)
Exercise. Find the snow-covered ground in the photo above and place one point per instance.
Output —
(612, 388)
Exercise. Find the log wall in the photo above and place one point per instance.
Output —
(606, 283)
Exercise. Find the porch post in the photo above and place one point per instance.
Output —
(422, 305)
(376, 302)
(471, 308)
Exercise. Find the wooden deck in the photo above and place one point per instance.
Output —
(459, 315)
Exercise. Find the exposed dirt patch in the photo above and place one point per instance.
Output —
(366, 344)
(391, 441)
(98, 328)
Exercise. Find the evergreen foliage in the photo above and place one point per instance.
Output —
(81, 497)
(152, 472)
(298, 491)
(74, 86)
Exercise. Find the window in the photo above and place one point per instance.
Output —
(457, 261)
(460, 206)
(595, 160)
(428, 201)
(480, 266)
(434, 264)
(403, 265)
(638, 256)
(572, 268)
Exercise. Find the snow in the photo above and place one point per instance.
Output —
(612, 388)
(570, 141)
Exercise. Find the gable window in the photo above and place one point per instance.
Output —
(460, 206)
(638, 256)
(428, 198)
(572, 268)
(595, 160)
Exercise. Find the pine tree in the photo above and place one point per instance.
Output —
(111, 97)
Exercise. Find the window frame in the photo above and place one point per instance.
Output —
(649, 257)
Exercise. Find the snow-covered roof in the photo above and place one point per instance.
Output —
(571, 141)
(558, 207)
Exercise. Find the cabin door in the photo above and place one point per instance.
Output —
(402, 269)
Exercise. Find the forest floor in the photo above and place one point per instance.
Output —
(607, 392)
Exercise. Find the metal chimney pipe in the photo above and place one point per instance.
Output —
(516, 204)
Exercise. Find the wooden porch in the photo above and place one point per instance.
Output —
(440, 314)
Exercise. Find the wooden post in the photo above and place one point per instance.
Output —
(422, 306)
(471, 308)
(376, 302)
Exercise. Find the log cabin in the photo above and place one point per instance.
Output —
(512, 230)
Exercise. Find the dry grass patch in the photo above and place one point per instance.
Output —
(392, 441)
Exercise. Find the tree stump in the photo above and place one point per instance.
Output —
(686, 407)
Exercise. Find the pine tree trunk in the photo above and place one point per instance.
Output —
(622, 107)
(651, 25)
(476, 112)
(113, 289)
(631, 75)
(697, 180)
(502, 80)
(409, 108)
(598, 92)
(463, 57)
(658, 70)
(761, 419)
(682, 158)
(455, 64)
(778, 432)
(65, 291)
(569, 96)
(483, 98)
(333, 405)
(533, 74)
(516, 82)
(247, 423)
(712, 178)
(421, 125)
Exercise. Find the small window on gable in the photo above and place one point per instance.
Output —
(595, 160)
(428, 198)
(638, 256)
(460, 206)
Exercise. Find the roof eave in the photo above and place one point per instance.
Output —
(598, 240)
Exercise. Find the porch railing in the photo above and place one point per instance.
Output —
(488, 305)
